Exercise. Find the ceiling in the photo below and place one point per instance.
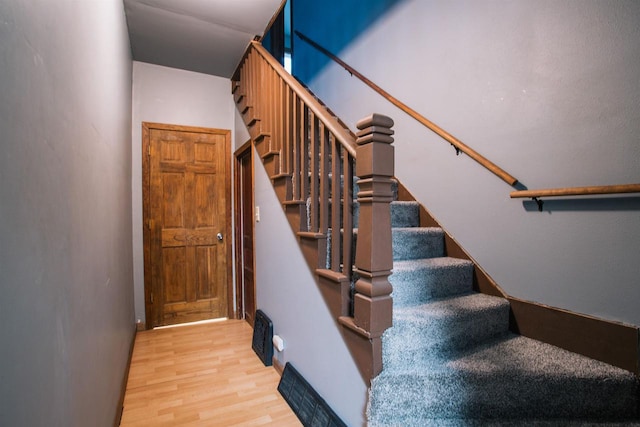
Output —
(206, 36)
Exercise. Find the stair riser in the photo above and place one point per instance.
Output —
(414, 287)
(417, 243)
(403, 214)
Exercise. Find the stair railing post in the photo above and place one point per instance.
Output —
(374, 255)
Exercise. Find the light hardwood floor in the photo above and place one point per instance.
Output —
(202, 375)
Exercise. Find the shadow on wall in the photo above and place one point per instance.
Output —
(334, 24)
(602, 204)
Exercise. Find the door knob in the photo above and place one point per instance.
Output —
(219, 236)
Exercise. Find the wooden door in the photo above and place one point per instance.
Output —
(245, 286)
(187, 218)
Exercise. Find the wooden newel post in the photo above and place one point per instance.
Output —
(374, 255)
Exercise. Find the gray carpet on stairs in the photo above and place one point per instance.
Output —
(449, 359)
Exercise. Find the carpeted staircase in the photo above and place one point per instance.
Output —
(449, 359)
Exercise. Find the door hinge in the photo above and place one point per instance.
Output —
(151, 297)
(150, 224)
(149, 150)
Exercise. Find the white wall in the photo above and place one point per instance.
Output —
(547, 90)
(284, 287)
(66, 311)
(171, 96)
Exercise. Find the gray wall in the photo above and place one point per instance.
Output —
(171, 96)
(546, 89)
(288, 294)
(66, 303)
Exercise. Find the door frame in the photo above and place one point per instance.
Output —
(146, 209)
(246, 148)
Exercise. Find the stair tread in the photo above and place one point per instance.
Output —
(519, 355)
(532, 357)
(442, 328)
(457, 306)
(427, 263)
(405, 202)
(421, 280)
(420, 230)
(510, 377)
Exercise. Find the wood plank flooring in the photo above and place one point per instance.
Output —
(202, 375)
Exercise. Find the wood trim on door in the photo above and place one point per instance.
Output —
(146, 207)
(240, 200)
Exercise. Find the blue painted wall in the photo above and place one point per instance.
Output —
(334, 24)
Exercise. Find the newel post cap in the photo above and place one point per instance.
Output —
(375, 120)
(375, 128)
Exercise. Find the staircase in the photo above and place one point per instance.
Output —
(449, 358)
(309, 154)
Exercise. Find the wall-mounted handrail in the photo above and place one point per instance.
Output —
(536, 195)
(459, 145)
(577, 191)
(330, 122)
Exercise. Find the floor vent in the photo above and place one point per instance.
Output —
(262, 342)
(305, 402)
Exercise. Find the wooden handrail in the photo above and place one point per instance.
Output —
(330, 122)
(310, 156)
(577, 191)
(459, 145)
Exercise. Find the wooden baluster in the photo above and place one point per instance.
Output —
(265, 90)
(263, 87)
(274, 107)
(347, 213)
(288, 111)
(281, 123)
(251, 77)
(254, 74)
(324, 179)
(374, 256)
(295, 147)
(241, 81)
(248, 77)
(314, 194)
(336, 196)
(304, 160)
(277, 108)
(244, 80)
